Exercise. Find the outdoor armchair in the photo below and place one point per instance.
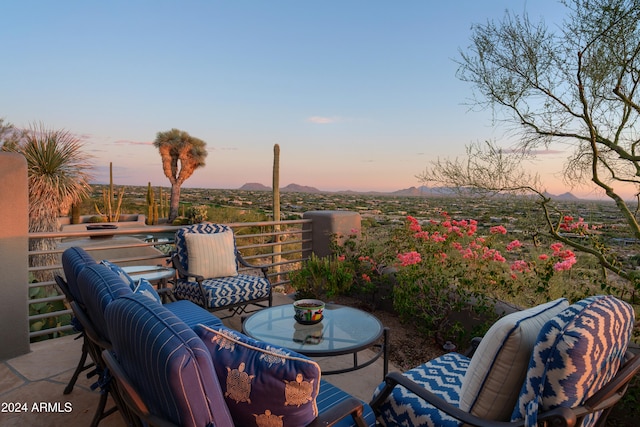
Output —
(576, 367)
(207, 261)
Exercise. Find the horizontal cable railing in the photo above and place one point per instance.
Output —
(279, 245)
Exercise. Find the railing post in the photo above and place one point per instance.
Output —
(14, 247)
(326, 225)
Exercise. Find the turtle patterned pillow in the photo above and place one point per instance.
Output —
(263, 384)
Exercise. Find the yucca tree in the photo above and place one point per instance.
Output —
(57, 176)
(177, 146)
(9, 135)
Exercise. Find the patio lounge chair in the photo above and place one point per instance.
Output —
(575, 369)
(97, 286)
(172, 375)
(73, 261)
(207, 260)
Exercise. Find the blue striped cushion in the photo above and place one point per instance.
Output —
(263, 382)
(99, 286)
(74, 259)
(167, 363)
(577, 352)
(224, 291)
(442, 376)
(331, 395)
(192, 314)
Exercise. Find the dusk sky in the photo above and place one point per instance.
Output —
(360, 94)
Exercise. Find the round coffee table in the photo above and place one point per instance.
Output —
(343, 330)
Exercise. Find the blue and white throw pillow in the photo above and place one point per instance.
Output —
(263, 384)
(145, 288)
(499, 365)
(121, 273)
(576, 354)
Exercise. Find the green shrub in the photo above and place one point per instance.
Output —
(198, 213)
(322, 278)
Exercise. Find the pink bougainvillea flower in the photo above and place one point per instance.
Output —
(557, 247)
(471, 230)
(341, 258)
(409, 258)
(422, 235)
(493, 255)
(469, 254)
(366, 277)
(514, 245)
(520, 265)
(564, 265)
(414, 225)
(566, 254)
(543, 257)
(498, 229)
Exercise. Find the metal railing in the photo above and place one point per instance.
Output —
(279, 245)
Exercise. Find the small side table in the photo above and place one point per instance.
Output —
(155, 274)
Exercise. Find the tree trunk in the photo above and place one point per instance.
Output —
(175, 202)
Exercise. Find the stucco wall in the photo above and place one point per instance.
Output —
(14, 245)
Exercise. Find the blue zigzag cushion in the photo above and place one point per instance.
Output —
(576, 353)
(224, 291)
(443, 376)
(263, 384)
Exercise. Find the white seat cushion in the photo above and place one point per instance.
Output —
(498, 367)
(211, 255)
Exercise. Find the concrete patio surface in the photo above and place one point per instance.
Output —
(34, 383)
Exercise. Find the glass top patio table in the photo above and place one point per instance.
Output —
(343, 330)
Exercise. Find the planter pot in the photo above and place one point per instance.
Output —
(97, 227)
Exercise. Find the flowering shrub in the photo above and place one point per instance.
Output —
(444, 266)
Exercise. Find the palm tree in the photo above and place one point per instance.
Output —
(57, 178)
(176, 145)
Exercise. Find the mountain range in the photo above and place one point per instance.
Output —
(420, 191)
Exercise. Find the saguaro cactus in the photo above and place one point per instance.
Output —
(276, 206)
(107, 198)
(152, 206)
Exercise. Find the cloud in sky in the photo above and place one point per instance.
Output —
(128, 142)
(322, 120)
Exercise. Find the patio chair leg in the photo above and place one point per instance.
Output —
(99, 415)
(80, 368)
